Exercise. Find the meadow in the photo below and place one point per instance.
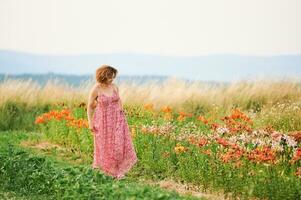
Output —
(240, 140)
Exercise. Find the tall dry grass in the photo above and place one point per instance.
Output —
(173, 92)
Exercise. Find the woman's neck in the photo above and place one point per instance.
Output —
(105, 85)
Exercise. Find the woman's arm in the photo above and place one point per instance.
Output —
(91, 105)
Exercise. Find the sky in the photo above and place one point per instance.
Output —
(171, 28)
(160, 27)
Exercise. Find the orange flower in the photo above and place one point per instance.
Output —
(202, 142)
(297, 156)
(69, 118)
(192, 139)
(48, 116)
(207, 152)
(58, 117)
(39, 120)
(296, 135)
(149, 106)
(234, 146)
(65, 112)
(166, 109)
(223, 142)
(53, 112)
(214, 126)
(181, 113)
(237, 122)
(181, 118)
(231, 154)
(143, 129)
(203, 119)
(262, 154)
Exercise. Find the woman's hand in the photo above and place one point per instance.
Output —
(91, 128)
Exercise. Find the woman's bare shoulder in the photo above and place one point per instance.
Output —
(115, 85)
(95, 88)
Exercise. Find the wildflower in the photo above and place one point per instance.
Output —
(185, 114)
(181, 118)
(296, 156)
(39, 120)
(232, 154)
(166, 109)
(179, 148)
(269, 129)
(47, 116)
(65, 112)
(58, 117)
(192, 139)
(149, 106)
(202, 119)
(69, 118)
(223, 142)
(206, 152)
(290, 141)
(143, 129)
(237, 122)
(182, 113)
(262, 154)
(296, 135)
(202, 142)
(222, 130)
(214, 126)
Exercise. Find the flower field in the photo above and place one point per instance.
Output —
(228, 153)
(246, 146)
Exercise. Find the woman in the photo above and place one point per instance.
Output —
(114, 151)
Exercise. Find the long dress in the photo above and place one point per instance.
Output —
(114, 151)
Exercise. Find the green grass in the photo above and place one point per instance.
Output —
(26, 174)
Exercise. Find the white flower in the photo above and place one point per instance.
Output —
(222, 130)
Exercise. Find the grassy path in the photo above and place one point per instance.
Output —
(59, 159)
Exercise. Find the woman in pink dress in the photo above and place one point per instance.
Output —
(114, 151)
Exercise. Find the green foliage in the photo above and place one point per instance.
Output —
(17, 116)
(29, 175)
(251, 180)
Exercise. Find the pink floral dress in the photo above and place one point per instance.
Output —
(114, 151)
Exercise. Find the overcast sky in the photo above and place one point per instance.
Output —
(161, 27)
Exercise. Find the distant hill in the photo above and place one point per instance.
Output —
(207, 68)
(76, 80)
